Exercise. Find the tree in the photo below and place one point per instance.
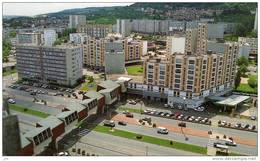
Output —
(237, 79)
(252, 81)
(242, 61)
(12, 34)
(243, 69)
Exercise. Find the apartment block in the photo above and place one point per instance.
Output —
(97, 31)
(77, 20)
(188, 78)
(191, 40)
(134, 49)
(29, 38)
(252, 42)
(114, 57)
(94, 52)
(202, 38)
(215, 31)
(50, 37)
(78, 38)
(123, 27)
(175, 44)
(59, 65)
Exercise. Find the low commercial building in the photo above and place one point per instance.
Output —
(70, 118)
(91, 104)
(26, 147)
(82, 111)
(58, 65)
(41, 137)
(100, 100)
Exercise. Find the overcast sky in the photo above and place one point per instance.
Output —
(32, 9)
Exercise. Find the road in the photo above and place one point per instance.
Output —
(229, 132)
(107, 145)
(201, 141)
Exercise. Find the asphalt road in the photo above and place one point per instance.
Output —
(243, 149)
(107, 145)
(228, 132)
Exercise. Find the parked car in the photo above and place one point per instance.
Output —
(238, 125)
(33, 93)
(58, 94)
(186, 117)
(253, 117)
(63, 154)
(129, 115)
(162, 130)
(200, 109)
(11, 101)
(80, 92)
(223, 123)
(246, 126)
(125, 112)
(122, 123)
(230, 143)
(191, 118)
(133, 102)
(109, 123)
(162, 114)
(168, 115)
(198, 119)
(217, 143)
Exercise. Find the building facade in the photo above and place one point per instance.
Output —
(29, 39)
(50, 37)
(252, 42)
(97, 31)
(59, 65)
(175, 44)
(77, 20)
(123, 27)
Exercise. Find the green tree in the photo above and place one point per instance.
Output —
(243, 61)
(243, 69)
(12, 34)
(252, 81)
(90, 79)
(237, 79)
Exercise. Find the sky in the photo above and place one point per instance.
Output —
(32, 9)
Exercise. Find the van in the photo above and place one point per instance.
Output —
(162, 130)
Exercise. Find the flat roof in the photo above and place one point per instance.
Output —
(50, 121)
(35, 132)
(75, 106)
(109, 84)
(94, 94)
(64, 114)
(233, 100)
(86, 101)
(24, 141)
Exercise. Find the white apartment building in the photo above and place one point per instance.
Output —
(49, 36)
(78, 38)
(29, 38)
(123, 27)
(58, 65)
(77, 20)
(175, 44)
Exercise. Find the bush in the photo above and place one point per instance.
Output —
(25, 110)
(139, 137)
(252, 81)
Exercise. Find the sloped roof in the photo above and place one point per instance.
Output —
(109, 84)
(50, 121)
(93, 94)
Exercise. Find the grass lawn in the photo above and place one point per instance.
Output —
(88, 86)
(29, 111)
(135, 70)
(245, 88)
(153, 140)
(130, 109)
(9, 72)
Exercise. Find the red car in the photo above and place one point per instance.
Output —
(129, 115)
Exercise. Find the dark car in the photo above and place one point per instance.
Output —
(182, 124)
(186, 117)
(122, 123)
(157, 113)
(160, 113)
(33, 93)
(217, 143)
(129, 115)
(109, 123)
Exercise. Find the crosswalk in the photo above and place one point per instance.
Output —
(83, 132)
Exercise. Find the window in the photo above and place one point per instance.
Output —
(178, 65)
(191, 62)
(177, 71)
(177, 85)
(178, 60)
(177, 81)
(36, 141)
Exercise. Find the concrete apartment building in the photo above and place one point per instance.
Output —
(76, 20)
(252, 42)
(175, 44)
(49, 37)
(59, 65)
(123, 27)
(79, 38)
(202, 38)
(95, 30)
(114, 57)
(29, 38)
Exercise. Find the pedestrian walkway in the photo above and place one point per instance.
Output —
(187, 131)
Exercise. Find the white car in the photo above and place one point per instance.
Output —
(12, 101)
(63, 154)
(162, 130)
(166, 105)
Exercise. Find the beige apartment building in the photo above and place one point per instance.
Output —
(188, 78)
(202, 38)
(133, 50)
(191, 40)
